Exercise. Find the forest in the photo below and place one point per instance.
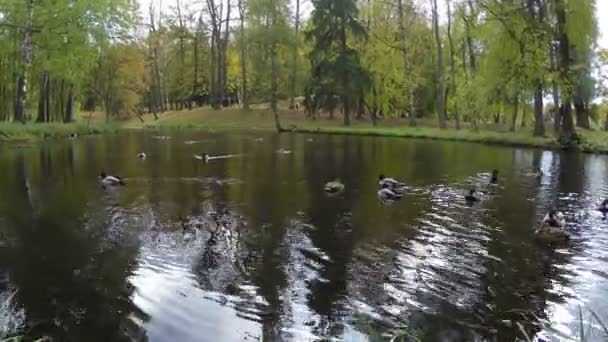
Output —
(452, 63)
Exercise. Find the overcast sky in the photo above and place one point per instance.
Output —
(602, 7)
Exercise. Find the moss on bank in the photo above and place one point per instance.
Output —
(32, 132)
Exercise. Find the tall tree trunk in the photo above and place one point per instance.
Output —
(567, 133)
(468, 42)
(539, 119)
(244, 90)
(42, 100)
(196, 61)
(69, 109)
(452, 65)
(274, 76)
(296, 51)
(440, 72)
(26, 61)
(224, 53)
(345, 98)
(582, 114)
(406, 74)
(515, 112)
(557, 114)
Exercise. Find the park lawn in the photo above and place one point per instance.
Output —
(32, 132)
(262, 119)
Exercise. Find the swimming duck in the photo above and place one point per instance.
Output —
(284, 151)
(494, 177)
(141, 155)
(334, 187)
(204, 157)
(551, 229)
(537, 172)
(471, 198)
(107, 180)
(73, 136)
(604, 208)
(554, 219)
(387, 194)
(391, 182)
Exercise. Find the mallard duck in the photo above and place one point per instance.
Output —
(204, 157)
(554, 219)
(110, 181)
(604, 208)
(391, 182)
(538, 173)
(551, 234)
(471, 198)
(141, 155)
(387, 194)
(494, 177)
(284, 151)
(551, 229)
(334, 187)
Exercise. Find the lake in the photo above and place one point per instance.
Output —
(251, 247)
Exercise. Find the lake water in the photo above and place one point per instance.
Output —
(251, 248)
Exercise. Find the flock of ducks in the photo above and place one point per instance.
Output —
(551, 229)
(390, 190)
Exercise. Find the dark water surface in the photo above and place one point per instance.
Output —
(251, 248)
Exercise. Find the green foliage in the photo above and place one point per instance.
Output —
(336, 64)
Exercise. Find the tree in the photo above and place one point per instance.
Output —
(441, 113)
(333, 22)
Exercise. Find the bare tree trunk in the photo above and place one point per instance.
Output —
(440, 72)
(568, 132)
(69, 109)
(406, 75)
(472, 59)
(26, 60)
(557, 115)
(539, 119)
(452, 64)
(294, 70)
(515, 112)
(43, 101)
(244, 90)
(273, 65)
(224, 53)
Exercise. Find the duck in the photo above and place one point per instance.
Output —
(494, 177)
(471, 198)
(73, 136)
(284, 151)
(334, 187)
(141, 155)
(391, 182)
(551, 229)
(110, 181)
(204, 157)
(537, 172)
(387, 194)
(604, 208)
(554, 219)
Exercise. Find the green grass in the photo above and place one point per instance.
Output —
(31, 132)
(261, 119)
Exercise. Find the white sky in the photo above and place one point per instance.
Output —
(602, 12)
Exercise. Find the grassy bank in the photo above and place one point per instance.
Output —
(261, 119)
(31, 132)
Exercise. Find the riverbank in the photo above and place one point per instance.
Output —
(33, 132)
(262, 119)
